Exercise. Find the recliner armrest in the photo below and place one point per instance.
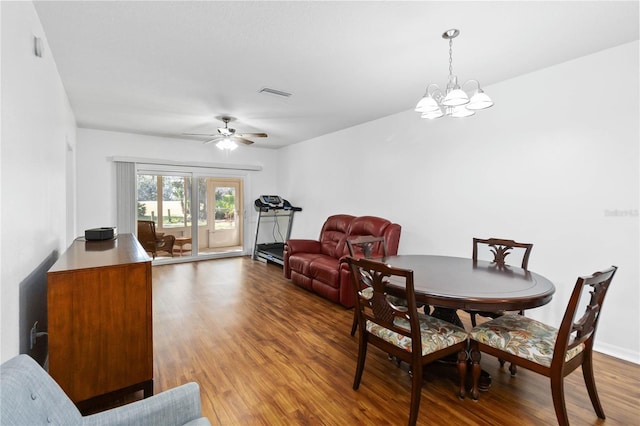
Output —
(303, 246)
(174, 407)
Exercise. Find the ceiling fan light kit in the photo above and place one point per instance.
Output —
(227, 144)
(455, 101)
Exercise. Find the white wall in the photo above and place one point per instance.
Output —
(37, 157)
(547, 164)
(96, 171)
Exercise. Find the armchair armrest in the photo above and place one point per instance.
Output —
(298, 246)
(304, 246)
(174, 407)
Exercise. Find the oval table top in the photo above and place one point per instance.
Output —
(461, 283)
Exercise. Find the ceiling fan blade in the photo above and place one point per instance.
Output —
(242, 140)
(228, 133)
(251, 135)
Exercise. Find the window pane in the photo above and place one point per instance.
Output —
(175, 204)
(147, 197)
(225, 207)
(202, 202)
(172, 209)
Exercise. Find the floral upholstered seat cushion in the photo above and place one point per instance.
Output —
(521, 336)
(436, 334)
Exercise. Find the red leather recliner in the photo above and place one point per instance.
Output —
(315, 265)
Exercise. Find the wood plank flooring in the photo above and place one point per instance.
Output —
(266, 352)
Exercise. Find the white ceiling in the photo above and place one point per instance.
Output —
(170, 67)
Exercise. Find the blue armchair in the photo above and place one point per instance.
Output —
(29, 396)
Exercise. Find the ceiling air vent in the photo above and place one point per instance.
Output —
(274, 92)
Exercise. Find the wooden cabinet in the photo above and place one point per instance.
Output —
(100, 323)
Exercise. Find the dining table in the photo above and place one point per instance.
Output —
(449, 283)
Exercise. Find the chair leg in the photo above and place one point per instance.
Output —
(589, 380)
(362, 354)
(473, 318)
(462, 372)
(557, 393)
(475, 370)
(513, 369)
(354, 326)
(416, 393)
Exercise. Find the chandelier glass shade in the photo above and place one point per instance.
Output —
(456, 101)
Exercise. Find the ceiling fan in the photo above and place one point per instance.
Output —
(227, 137)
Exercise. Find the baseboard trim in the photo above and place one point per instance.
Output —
(617, 352)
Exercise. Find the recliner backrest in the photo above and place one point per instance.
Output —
(376, 227)
(368, 225)
(340, 227)
(333, 235)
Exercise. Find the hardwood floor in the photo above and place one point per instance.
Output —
(266, 352)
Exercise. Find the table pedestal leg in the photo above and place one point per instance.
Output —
(451, 316)
(448, 315)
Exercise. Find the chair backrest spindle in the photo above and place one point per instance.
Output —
(501, 248)
(378, 306)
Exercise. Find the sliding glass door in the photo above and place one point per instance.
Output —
(205, 219)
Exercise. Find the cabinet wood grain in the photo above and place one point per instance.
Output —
(100, 318)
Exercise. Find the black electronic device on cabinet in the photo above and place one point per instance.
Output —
(271, 209)
(100, 234)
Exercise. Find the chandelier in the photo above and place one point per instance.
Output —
(455, 101)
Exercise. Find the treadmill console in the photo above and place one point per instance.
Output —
(272, 202)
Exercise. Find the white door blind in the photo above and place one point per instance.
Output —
(126, 197)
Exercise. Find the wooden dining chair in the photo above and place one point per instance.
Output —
(368, 247)
(546, 350)
(500, 248)
(153, 242)
(401, 331)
